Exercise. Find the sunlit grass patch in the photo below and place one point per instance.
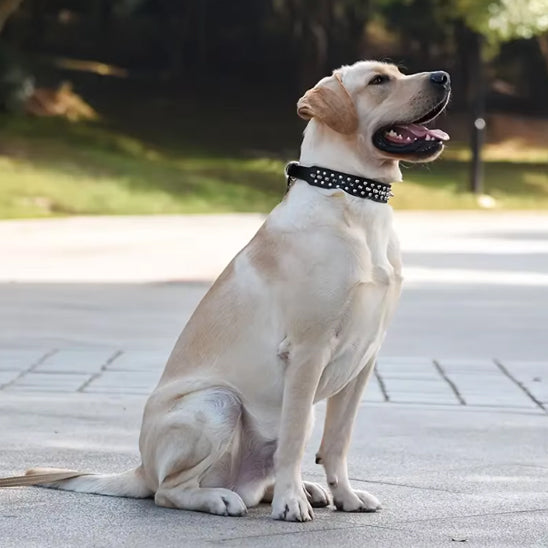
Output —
(51, 167)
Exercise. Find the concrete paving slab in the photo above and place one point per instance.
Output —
(138, 360)
(459, 452)
(500, 529)
(123, 382)
(420, 398)
(531, 376)
(68, 249)
(440, 475)
(19, 359)
(56, 382)
(7, 377)
(121, 372)
(373, 392)
(70, 360)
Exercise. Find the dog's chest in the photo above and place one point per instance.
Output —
(361, 325)
(359, 337)
(350, 255)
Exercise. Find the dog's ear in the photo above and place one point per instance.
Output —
(330, 102)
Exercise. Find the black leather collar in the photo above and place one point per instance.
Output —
(361, 187)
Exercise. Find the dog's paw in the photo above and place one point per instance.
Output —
(357, 501)
(226, 503)
(292, 507)
(317, 496)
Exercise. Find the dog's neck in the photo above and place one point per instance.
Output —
(324, 147)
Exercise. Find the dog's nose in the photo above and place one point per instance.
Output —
(440, 78)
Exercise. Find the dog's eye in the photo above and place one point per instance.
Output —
(379, 79)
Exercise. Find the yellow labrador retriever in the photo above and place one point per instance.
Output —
(297, 317)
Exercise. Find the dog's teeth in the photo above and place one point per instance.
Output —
(396, 136)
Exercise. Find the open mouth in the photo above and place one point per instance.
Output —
(412, 138)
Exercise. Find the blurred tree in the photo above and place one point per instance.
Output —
(477, 28)
(326, 33)
(491, 23)
(423, 26)
(7, 7)
(15, 82)
(542, 40)
(503, 20)
(277, 48)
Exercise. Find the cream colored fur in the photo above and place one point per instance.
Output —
(297, 317)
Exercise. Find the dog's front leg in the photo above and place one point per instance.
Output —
(303, 373)
(339, 420)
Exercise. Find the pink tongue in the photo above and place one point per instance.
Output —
(421, 132)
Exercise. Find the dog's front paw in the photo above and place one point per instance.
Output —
(356, 501)
(292, 507)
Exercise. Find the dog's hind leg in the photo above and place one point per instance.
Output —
(194, 439)
(213, 500)
(256, 463)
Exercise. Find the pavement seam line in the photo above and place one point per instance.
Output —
(394, 484)
(95, 376)
(381, 382)
(468, 516)
(346, 526)
(519, 384)
(451, 384)
(31, 368)
(407, 485)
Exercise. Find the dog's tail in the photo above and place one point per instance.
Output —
(127, 484)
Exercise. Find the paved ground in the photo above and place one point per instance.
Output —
(452, 435)
(441, 472)
(451, 382)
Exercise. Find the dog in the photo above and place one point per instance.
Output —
(297, 317)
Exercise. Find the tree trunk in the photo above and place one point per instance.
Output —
(542, 41)
(477, 96)
(38, 24)
(7, 7)
(314, 45)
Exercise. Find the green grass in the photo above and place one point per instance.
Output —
(51, 167)
(443, 184)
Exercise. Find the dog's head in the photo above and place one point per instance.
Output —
(384, 107)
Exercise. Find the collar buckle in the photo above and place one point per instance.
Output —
(290, 178)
